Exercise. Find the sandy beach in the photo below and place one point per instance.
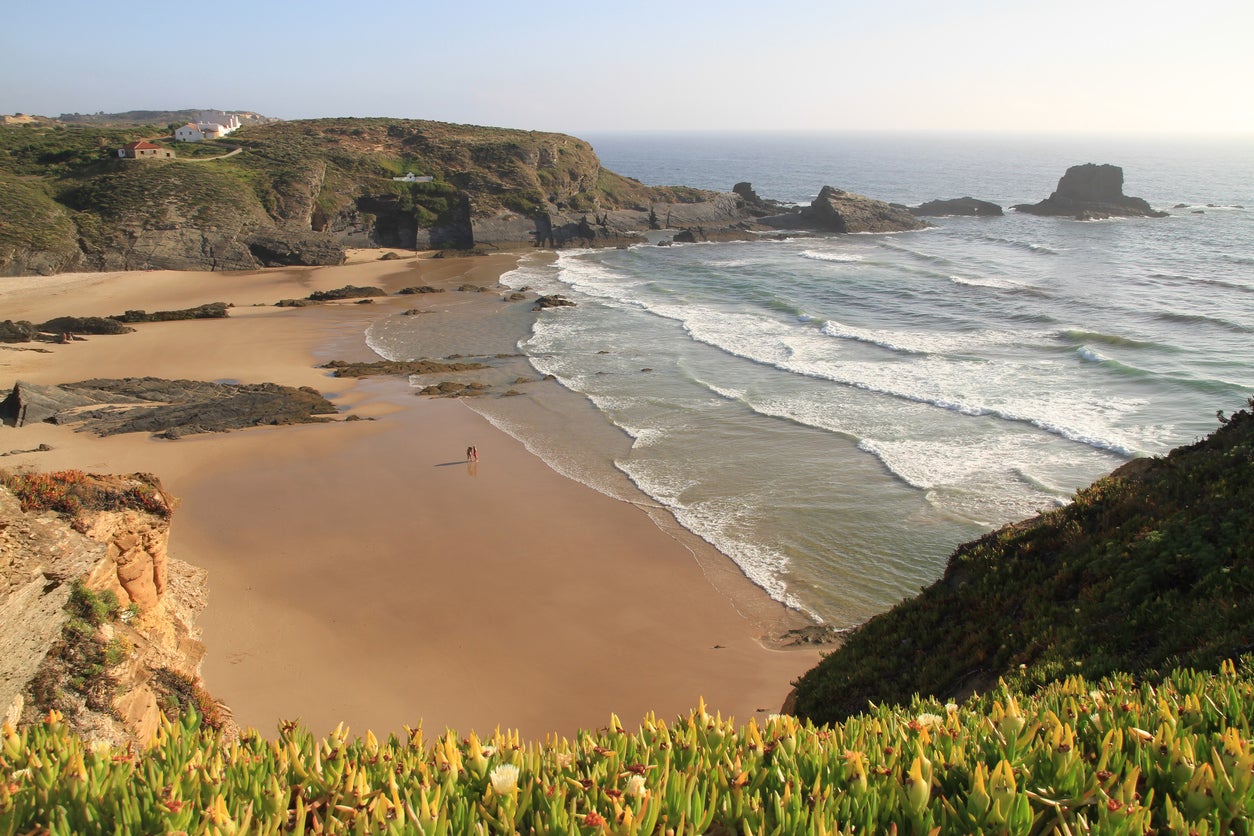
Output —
(362, 571)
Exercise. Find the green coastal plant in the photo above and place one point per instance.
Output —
(1114, 757)
(1148, 569)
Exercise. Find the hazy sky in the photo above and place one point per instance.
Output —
(598, 65)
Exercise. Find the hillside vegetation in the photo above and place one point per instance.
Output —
(313, 186)
(1148, 569)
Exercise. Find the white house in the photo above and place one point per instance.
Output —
(209, 124)
(188, 133)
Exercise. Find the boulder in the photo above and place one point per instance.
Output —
(957, 206)
(84, 325)
(1091, 192)
(552, 301)
(17, 332)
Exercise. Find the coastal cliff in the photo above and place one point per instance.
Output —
(97, 621)
(299, 193)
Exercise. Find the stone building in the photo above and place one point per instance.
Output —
(144, 150)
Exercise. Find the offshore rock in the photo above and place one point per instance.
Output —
(835, 210)
(552, 301)
(958, 206)
(1091, 192)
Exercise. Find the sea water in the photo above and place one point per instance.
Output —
(837, 413)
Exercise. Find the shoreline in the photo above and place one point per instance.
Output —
(359, 572)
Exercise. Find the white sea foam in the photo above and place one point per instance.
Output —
(1091, 355)
(839, 258)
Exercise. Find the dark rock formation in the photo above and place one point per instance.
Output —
(212, 310)
(343, 368)
(85, 325)
(1091, 192)
(835, 210)
(553, 301)
(746, 192)
(272, 248)
(17, 332)
(348, 291)
(450, 388)
(171, 408)
(405, 291)
(957, 206)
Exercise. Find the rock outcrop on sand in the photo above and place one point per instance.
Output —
(835, 210)
(1091, 192)
(957, 206)
(54, 329)
(109, 676)
(169, 408)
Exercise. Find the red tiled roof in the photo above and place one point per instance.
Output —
(141, 145)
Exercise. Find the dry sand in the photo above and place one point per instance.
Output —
(362, 572)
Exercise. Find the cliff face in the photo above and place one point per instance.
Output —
(96, 619)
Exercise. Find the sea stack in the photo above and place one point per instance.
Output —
(1091, 192)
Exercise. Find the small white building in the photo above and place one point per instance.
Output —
(188, 133)
(410, 177)
(209, 124)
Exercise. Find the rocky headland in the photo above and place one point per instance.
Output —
(302, 192)
(1091, 192)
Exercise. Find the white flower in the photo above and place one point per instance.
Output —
(929, 720)
(635, 787)
(564, 759)
(504, 779)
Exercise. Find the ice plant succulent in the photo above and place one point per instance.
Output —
(1100, 758)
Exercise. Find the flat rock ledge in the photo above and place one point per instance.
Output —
(958, 206)
(166, 408)
(343, 368)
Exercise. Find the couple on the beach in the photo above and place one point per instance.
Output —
(472, 454)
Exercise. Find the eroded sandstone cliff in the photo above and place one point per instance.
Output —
(97, 621)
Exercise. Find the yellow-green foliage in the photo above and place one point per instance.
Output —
(1110, 758)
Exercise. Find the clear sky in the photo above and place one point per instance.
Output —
(1106, 66)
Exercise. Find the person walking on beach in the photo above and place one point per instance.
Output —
(474, 453)
(470, 452)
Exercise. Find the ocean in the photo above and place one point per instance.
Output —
(837, 413)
